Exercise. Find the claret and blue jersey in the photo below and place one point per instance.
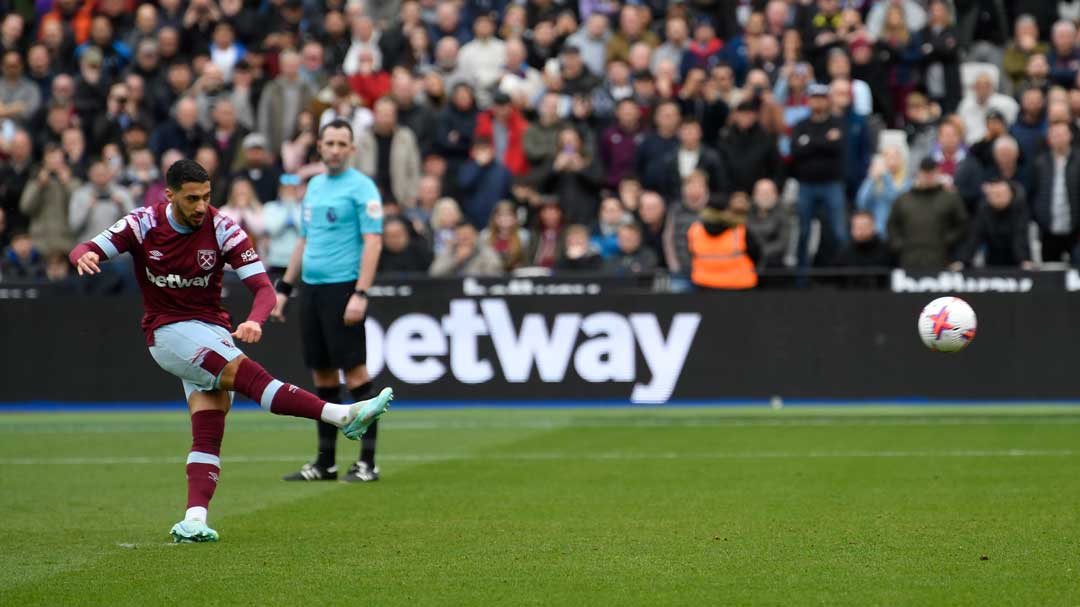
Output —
(337, 211)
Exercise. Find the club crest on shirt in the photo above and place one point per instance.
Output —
(207, 258)
(331, 216)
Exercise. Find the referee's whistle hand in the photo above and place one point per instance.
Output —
(248, 332)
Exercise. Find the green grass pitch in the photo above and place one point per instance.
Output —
(631, 506)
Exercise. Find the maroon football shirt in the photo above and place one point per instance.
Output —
(179, 272)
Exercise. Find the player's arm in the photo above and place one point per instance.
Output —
(249, 268)
(110, 243)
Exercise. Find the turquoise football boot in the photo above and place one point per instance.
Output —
(189, 532)
(366, 412)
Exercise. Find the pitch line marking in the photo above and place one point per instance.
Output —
(558, 456)
(421, 425)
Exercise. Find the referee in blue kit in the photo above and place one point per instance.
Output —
(335, 259)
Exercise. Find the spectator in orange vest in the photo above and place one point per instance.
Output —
(723, 255)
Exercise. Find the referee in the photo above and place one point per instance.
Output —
(335, 258)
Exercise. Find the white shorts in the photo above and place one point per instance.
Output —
(180, 347)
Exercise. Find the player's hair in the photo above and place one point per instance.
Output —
(185, 171)
(337, 123)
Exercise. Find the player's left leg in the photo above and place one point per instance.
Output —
(208, 410)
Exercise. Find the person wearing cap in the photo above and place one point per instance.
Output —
(817, 163)
(257, 166)
(927, 222)
(505, 126)
(748, 150)
(577, 80)
(281, 220)
(979, 102)
(484, 55)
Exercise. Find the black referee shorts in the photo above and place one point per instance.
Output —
(327, 342)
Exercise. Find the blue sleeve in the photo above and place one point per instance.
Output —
(369, 208)
(305, 214)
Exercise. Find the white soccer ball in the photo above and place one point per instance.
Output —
(947, 324)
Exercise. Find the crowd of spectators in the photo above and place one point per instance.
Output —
(572, 135)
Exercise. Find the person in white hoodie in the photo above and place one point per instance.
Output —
(484, 56)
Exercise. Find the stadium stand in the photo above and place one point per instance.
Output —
(500, 110)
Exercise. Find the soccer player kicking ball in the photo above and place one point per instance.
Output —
(180, 249)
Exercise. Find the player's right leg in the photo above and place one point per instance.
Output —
(208, 410)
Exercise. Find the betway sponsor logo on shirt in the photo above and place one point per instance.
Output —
(175, 281)
(601, 346)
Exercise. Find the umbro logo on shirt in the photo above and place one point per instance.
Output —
(156, 255)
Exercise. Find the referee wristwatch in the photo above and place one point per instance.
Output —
(361, 293)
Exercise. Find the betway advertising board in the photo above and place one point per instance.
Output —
(617, 348)
(635, 355)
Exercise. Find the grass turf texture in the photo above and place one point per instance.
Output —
(649, 506)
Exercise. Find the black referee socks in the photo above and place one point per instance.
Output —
(367, 441)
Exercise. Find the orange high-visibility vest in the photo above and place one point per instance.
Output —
(720, 262)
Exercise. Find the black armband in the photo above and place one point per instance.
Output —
(283, 287)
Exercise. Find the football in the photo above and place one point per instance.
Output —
(947, 324)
